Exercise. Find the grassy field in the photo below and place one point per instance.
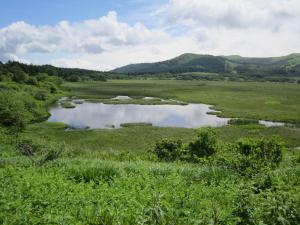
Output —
(112, 176)
(109, 177)
(140, 139)
(268, 101)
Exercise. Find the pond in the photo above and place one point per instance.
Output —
(99, 115)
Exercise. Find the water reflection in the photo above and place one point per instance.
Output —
(99, 115)
(271, 123)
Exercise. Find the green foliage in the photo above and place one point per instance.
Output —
(282, 208)
(19, 76)
(73, 78)
(18, 105)
(53, 89)
(154, 214)
(42, 77)
(168, 149)
(105, 172)
(13, 111)
(205, 145)
(51, 153)
(41, 95)
(19, 72)
(115, 187)
(32, 81)
(243, 208)
(257, 154)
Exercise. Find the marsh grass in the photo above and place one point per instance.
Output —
(233, 99)
(242, 121)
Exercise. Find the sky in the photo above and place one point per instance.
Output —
(105, 34)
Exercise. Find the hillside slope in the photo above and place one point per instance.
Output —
(285, 65)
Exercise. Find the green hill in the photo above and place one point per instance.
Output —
(286, 65)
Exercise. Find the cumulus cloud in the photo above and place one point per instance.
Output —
(89, 37)
(245, 27)
(268, 14)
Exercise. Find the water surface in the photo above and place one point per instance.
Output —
(99, 115)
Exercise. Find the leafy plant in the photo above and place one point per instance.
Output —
(243, 208)
(95, 173)
(205, 145)
(13, 111)
(168, 149)
(257, 154)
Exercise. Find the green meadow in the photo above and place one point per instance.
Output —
(237, 174)
(255, 100)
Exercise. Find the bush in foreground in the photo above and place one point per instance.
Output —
(168, 149)
(248, 156)
(257, 154)
(205, 145)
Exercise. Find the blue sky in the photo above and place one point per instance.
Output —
(50, 12)
(105, 34)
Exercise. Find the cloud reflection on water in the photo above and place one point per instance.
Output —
(99, 115)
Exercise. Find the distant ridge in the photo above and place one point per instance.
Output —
(188, 62)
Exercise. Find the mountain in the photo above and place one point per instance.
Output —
(285, 65)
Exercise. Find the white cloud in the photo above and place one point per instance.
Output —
(246, 27)
(87, 37)
(90, 36)
(124, 55)
(267, 14)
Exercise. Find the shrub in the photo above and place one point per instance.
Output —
(32, 81)
(256, 154)
(41, 95)
(42, 76)
(53, 89)
(13, 111)
(19, 76)
(73, 78)
(168, 149)
(205, 144)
